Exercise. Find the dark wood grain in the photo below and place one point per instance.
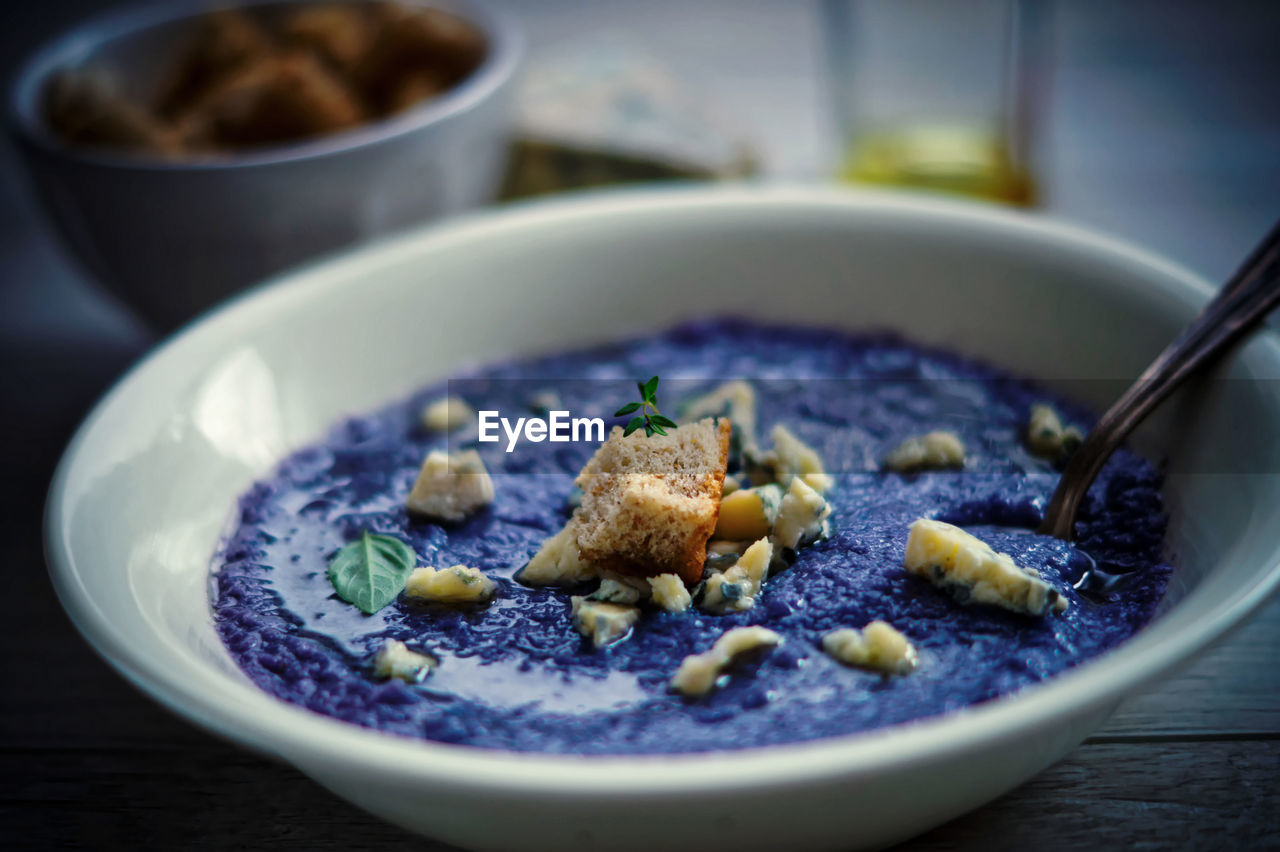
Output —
(208, 796)
(1232, 690)
(212, 796)
(1193, 795)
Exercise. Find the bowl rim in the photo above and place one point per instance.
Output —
(309, 739)
(505, 51)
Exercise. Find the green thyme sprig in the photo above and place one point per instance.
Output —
(649, 418)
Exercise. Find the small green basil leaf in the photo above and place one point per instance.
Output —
(371, 571)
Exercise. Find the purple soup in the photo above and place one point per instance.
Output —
(516, 674)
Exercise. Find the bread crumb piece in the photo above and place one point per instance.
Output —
(650, 503)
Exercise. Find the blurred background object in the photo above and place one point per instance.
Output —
(605, 111)
(1146, 119)
(932, 94)
(184, 155)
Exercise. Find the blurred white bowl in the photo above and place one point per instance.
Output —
(145, 488)
(171, 238)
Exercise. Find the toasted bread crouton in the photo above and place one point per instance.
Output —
(225, 41)
(340, 34)
(649, 503)
(279, 98)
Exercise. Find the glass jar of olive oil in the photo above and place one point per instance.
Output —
(940, 95)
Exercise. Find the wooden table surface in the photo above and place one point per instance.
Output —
(1164, 129)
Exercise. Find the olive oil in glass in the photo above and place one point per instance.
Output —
(938, 95)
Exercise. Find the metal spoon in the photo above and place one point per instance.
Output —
(1237, 308)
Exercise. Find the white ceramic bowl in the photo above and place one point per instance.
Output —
(147, 485)
(170, 238)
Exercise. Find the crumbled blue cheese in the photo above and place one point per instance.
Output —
(967, 568)
(455, 584)
(544, 402)
(723, 555)
(450, 486)
(748, 514)
(933, 451)
(603, 623)
(802, 517)
(797, 459)
(620, 589)
(394, 659)
(698, 673)
(557, 563)
(877, 646)
(735, 400)
(731, 484)
(790, 458)
(669, 592)
(724, 547)
(1046, 436)
(735, 589)
(447, 414)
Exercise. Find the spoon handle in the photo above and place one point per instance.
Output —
(1240, 305)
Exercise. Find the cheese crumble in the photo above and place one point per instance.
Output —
(456, 584)
(698, 673)
(877, 646)
(967, 568)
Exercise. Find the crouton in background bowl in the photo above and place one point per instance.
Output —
(184, 151)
